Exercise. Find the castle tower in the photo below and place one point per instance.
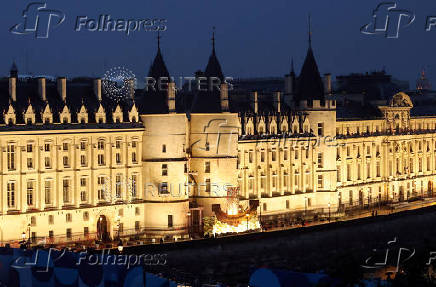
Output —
(164, 159)
(313, 100)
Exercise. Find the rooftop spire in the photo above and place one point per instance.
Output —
(213, 40)
(310, 32)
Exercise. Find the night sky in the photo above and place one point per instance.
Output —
(253, 38)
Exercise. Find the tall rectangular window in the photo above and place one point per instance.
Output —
(83, 160)
(320, 160)
(47, 191)
(101, 181)
(11, 155)
(66, 190)
(118, 186)
(11, 194)
(320, 181)
(164, 169)
(207, 167)
(100, 159)
(170, 221)
(208, 187)
(164, 148)
(118, 158)
(134, 185)
(134, 159)
(30, 187)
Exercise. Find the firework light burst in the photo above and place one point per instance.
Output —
(118, 83)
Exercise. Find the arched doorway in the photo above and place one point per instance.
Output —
(102, 229)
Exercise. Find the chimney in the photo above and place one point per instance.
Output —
(224, 95)
(171, 97)
(97, 88)
(62, 88)
(13, 88)
(255, 103)
(42, 89)
(328, 83)
(279, 103)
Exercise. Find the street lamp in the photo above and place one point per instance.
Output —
(120, 246)
(247, 215)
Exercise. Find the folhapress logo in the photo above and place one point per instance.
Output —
(38, 20)
(388, 20)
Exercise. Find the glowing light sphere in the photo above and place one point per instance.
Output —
(119, 83)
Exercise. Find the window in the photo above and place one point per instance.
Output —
(47, 191)
(85, 216)
(350, 198)
(69, 234)
(287, 204)
(29, 148)
(83, 160)
(66, 161)
(164, 148)
(69, 217)
(207, 167)
(320, 160)
(134, 185)
(262, 156)
(164, 169)
(30, 187)
(47, 147)
(338, 173)
(137, 211)
(273, 156)
(121, 212)
(66, 190)
(320, 181)
(134, 160)
(118, 158)
(207, 184)
(118, 186)
(377, 169)
(368, 171)
(29, 163)
(83, 195)
(100, 159)
(118, 144)
(349, 172)
(264, 207)
(11, 156)
(65, 146)
(164, 188)
(83, 145)
(134, 144)
(170, 221)
(285, 155)
(250, 156)
(100, 145)
(47, 162)
(101, 180)
(33, 220)
(137, 226)
(321, 129)
(50, 219)
(11, 194)
(86, 231)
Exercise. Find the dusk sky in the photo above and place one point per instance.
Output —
(253, 38)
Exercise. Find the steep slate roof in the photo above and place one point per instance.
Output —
(79, 91)
(309, 83)
(209, 101)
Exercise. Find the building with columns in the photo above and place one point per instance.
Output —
(77, 165)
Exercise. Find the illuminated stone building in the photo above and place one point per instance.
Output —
(77, 165)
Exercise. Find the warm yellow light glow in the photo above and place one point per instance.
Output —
(222, 228)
